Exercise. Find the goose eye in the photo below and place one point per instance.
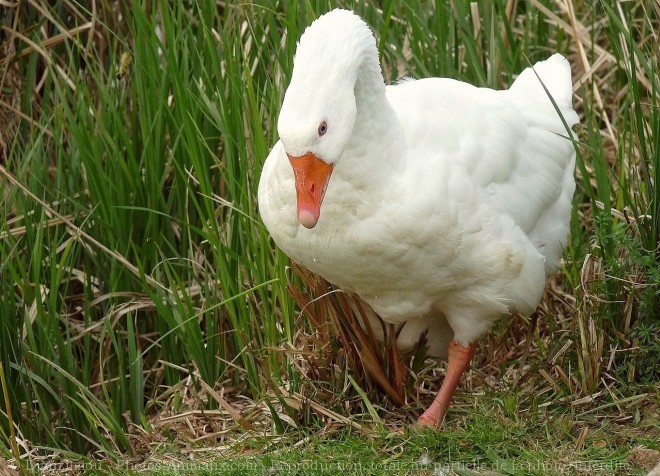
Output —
(323, 128)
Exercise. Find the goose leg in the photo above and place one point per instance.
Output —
(458, 359)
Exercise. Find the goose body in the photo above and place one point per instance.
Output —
(442, 205)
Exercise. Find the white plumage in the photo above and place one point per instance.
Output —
(447, 205)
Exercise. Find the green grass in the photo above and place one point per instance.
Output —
(135, 273)
(492, 437)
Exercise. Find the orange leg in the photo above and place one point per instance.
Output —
(458, 359)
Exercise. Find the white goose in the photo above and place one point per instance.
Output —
(442, 205)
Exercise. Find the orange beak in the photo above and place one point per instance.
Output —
(312, 176)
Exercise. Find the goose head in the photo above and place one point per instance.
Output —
(319, 111)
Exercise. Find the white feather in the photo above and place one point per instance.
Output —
(448, 204)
